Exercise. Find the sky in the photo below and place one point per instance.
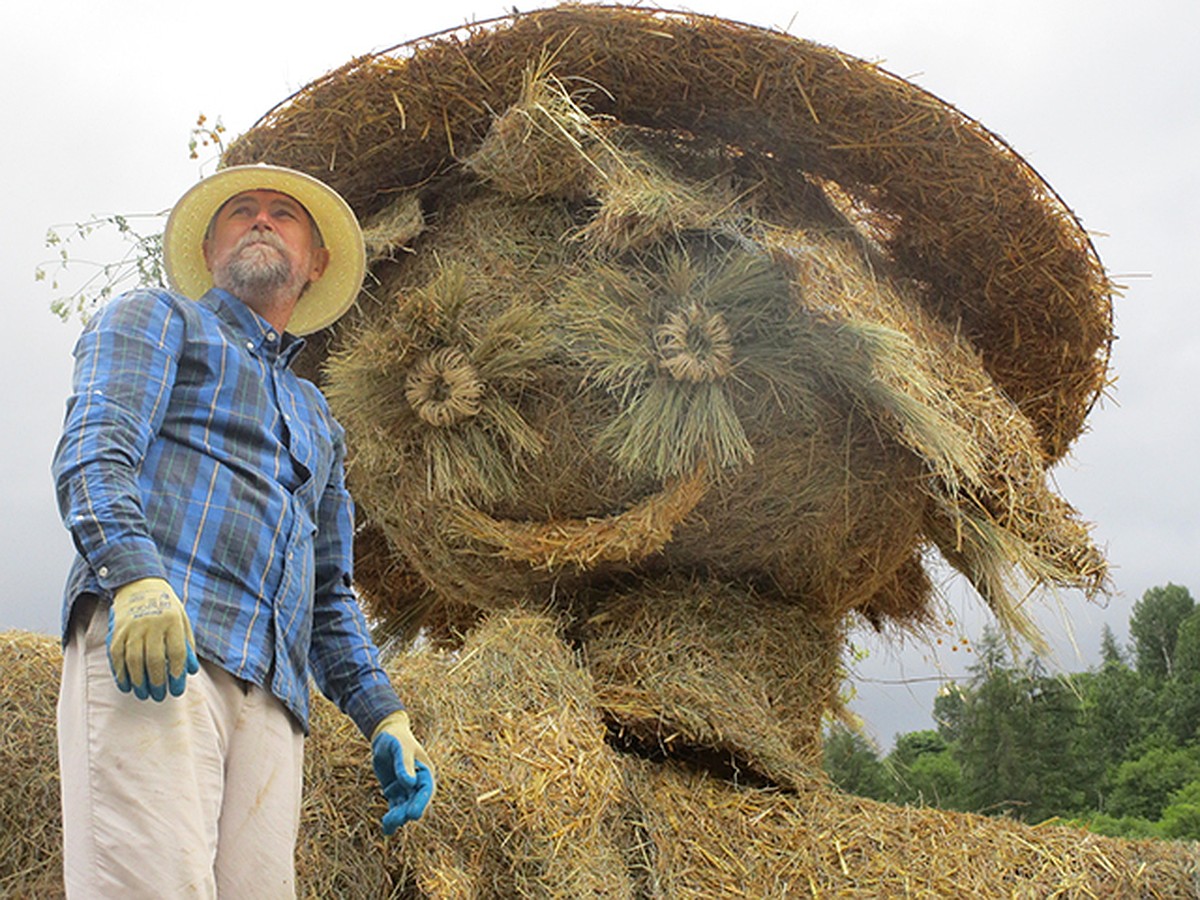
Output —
(1102, 97)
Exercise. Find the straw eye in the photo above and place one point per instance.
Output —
(444, 388)
(695, 345)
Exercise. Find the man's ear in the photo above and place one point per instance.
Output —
(204, 250)
(320, 262)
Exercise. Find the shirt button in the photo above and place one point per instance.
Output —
(271, 336)
(103, 572)
(249, 345)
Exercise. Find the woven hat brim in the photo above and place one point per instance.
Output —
(326, 299)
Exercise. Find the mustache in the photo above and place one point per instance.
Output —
(250, 238)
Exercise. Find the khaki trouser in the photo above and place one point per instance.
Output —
(196, 796)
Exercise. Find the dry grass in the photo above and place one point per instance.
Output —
(30, 817)
(687, 340)
(532, 802)
(738, 678)
(1003, 260)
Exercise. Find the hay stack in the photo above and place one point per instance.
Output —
(1001, 256)
(30, 816)
(677, 284)
(533, 803)
(702, 337)
(683, 330)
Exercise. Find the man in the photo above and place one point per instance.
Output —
(202, 482)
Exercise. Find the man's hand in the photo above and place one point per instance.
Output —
(404, 770)
(150, 645)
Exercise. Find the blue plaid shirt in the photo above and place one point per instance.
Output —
(191, 452)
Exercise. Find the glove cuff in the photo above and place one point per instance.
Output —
(398, 719)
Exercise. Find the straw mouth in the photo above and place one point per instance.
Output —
(626, 537)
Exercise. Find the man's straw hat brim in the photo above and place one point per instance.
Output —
(326, 299)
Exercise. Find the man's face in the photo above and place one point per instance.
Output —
(262, 244)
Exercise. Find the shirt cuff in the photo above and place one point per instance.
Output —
(371, 706)
(115, 566)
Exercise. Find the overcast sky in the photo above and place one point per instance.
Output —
(1102, 97)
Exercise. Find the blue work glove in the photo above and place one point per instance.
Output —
(151, 649)
(404, 771)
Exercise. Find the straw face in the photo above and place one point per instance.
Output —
(655, 261)
(701, 298)
(697, 338)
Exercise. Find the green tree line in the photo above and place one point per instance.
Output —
(1115, 749)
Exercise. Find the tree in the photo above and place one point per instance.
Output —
(1179, 696)
(1117, 709)
(990, 742)
(936, 779)
(1125, 827)
(1187, 648)
(1181, 818)
(1145, 785)
(912, 746)
(1178, 711)
(853, 765)
(948, 708)
(1110, 651)
(925, 772)
(1018, 729)
(1154, 626)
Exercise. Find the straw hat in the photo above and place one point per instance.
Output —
(325, 300)
(1000, 259)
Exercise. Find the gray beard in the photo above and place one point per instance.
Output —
(261, 279)
(252, 273)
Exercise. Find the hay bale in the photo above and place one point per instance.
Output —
(532, 803)
(531, 800)
(735, 678)
(708, 839)
(30, 815)
(829, 291)
(1002, 258)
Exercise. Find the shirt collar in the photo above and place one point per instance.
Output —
(260, 335)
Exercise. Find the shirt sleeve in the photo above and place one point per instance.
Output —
(344, 659)
(125, 364)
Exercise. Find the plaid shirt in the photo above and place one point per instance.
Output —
(191, 452)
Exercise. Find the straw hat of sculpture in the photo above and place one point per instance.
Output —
(660, 294)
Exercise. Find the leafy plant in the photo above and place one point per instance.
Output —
(139, 264)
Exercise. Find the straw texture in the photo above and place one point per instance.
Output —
(685, 344)
(532, 802)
